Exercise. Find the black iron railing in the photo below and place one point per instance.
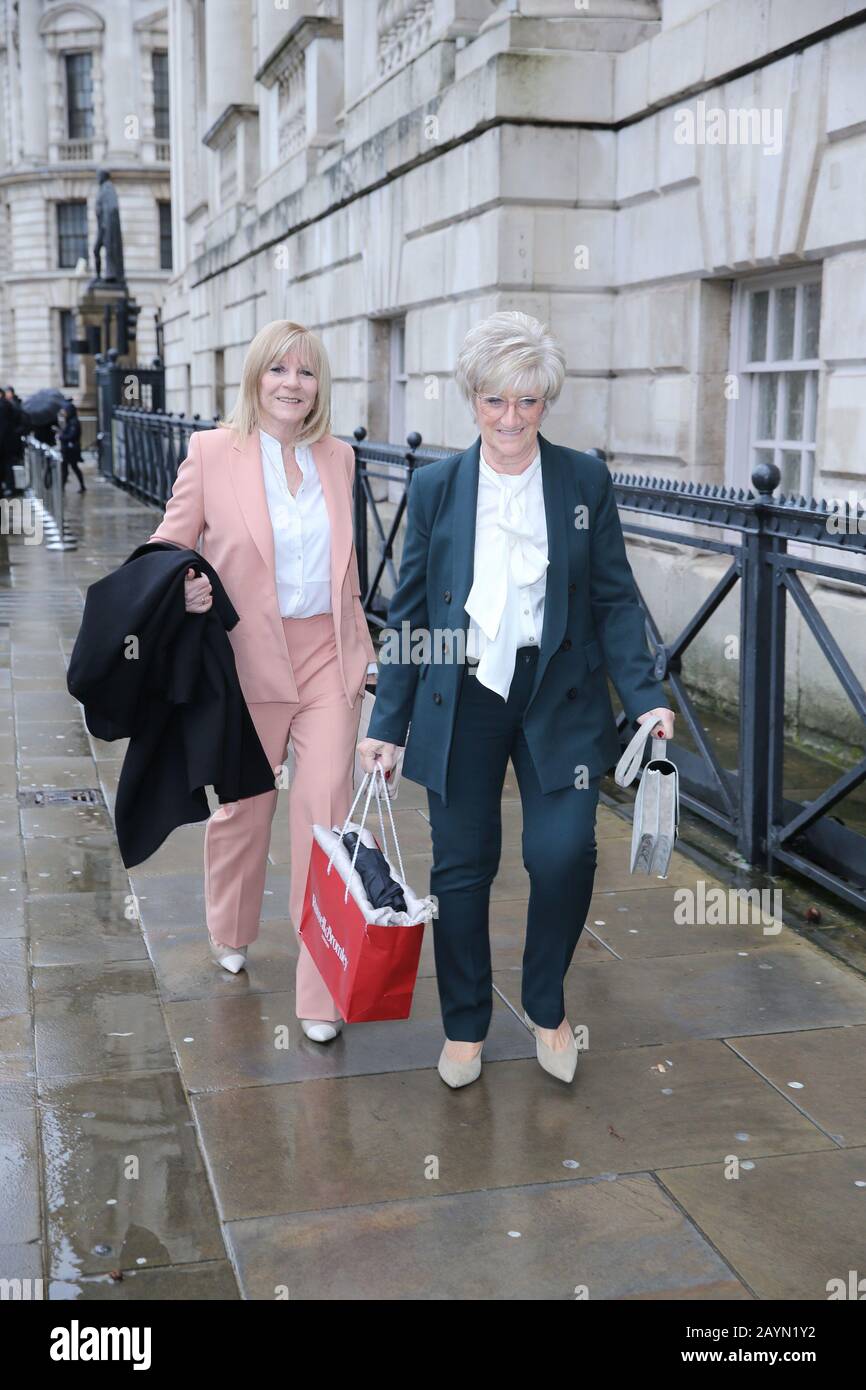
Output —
(120, 386)
(147, 449)
(746, 801)
(43, 481)
(378, 520)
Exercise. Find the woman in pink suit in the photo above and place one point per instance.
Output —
(267, 499)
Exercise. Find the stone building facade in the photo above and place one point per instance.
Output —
(82, 86)
(675, 186)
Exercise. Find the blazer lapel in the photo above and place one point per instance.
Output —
(555, 597)
(338, 501)
(249, 487)
(465, 509)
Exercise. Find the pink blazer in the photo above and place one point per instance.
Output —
(219, 508)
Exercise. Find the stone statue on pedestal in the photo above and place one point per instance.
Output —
(108, 234)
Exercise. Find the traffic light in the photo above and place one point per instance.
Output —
(122, 328)
(127, 324)
(132, 312)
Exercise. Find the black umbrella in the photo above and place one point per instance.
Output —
(372, 867)
(44, 406)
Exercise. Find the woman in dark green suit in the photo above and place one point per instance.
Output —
(515, 600)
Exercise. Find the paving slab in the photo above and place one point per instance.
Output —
(19, 1175)
(17, 1059)
(76, 864)
(14, 997)
(822, 1071)
(361, 1139)
(55, 771)
(256, 1039)
(621, 1239)
(214, 1280)
(54, 822)
(98, 1019)
(185, 968)
(124, 1176)
(647, 920)
(24, 1262)
(789, 1225)
(785, 985)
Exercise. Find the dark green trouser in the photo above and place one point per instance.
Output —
(559, 853)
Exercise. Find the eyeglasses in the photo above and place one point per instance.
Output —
(494, 406)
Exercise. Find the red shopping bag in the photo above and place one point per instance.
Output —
(369, 970)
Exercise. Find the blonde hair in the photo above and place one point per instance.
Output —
(510, 351)
(270, 344)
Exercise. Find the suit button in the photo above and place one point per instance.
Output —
(447, 596)
(572, 693)
(566, 646)
(572, 588)
(437, 698)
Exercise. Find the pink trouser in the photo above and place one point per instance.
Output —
(323, 730)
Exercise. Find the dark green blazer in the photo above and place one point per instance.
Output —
(593, 623)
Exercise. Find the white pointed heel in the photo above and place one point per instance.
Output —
(231, 958)
(320, 1030)
(562, 1064)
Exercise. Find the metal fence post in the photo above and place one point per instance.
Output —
(759, 631)
(45, 480)
(360, 518)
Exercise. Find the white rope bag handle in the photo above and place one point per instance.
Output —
(377, 786)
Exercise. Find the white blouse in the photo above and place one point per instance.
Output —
(302, 533)
(506, 601)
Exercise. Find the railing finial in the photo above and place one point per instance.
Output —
(766, 478)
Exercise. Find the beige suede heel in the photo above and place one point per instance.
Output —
(562, 1064)
(456, 1074)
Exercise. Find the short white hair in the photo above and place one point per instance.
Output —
(510, 352)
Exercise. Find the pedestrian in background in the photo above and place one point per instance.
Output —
(69, 439)
(11, 443)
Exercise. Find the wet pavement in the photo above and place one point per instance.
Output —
(156, 1142)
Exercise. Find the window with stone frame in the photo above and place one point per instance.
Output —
(165, 247)
(159, 62)
(79, 96)
(68, 357)
(776, 328)
(71, 233)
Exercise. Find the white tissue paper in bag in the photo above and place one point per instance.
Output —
(418, 909)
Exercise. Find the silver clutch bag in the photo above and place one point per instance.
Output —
(657, 804)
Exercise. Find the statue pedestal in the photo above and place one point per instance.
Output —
(98, 297)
